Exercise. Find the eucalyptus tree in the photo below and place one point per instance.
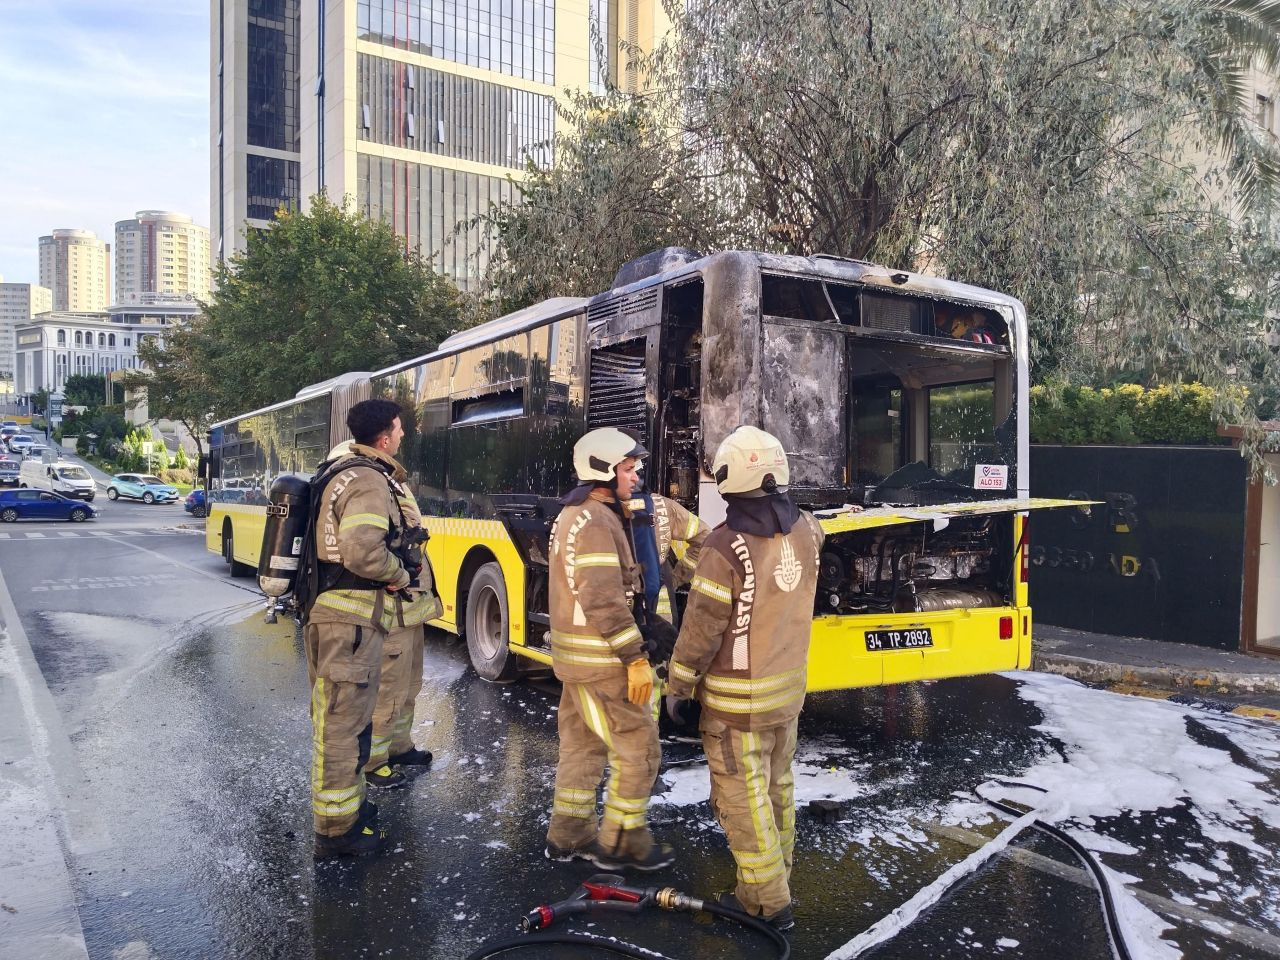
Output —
(1096, 159)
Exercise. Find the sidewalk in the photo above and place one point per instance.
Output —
(1219, 679)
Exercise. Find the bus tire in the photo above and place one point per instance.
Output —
(238, 569)
(488, 626)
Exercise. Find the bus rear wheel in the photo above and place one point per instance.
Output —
(238, 569)
(487, 626)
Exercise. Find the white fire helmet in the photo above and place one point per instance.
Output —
(750, 462)
(597, 454)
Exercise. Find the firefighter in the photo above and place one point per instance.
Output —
(598, 653)
(743, 651)
(671, 524)
(400, 679)
(359, 532)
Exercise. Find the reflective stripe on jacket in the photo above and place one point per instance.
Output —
(358, 509)
(593, 577)
(744, 643)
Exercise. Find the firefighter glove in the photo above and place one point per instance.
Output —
(659, 640)
(639, 682)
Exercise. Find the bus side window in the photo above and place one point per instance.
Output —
(879, 428)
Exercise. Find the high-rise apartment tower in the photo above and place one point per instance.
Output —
(160, 252)
(76, 266)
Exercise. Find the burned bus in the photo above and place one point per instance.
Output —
(900, 394)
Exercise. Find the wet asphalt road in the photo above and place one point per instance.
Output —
(188, 718)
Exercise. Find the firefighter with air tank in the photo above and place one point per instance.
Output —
(354, 593)
(743, 652)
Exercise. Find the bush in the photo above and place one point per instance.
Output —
(82, 445)
(176, 475)
(1125, 415)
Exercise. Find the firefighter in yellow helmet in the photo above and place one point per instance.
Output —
(598, 653)
(743, 653)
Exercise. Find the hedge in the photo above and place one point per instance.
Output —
(1127, 414)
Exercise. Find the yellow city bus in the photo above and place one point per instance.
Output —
(900, 394)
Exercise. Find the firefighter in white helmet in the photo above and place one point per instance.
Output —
(598, 652)
(743, 652)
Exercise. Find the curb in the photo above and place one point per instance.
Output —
(1195, 688)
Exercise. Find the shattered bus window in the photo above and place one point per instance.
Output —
(845, 300)
(962, 428)
(791, 298)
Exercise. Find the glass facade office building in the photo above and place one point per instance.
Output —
(421, 112)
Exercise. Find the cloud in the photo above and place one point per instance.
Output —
(106, 107)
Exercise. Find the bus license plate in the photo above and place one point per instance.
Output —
(899, 639)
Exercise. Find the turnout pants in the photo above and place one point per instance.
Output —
(343, 661)
(753, 795)
(401, 679)
(597, 725)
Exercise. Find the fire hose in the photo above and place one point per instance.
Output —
(606, 893)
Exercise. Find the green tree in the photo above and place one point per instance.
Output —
(180, 460)
(1095, 160)
(85, 390)
(621, 187)
(316, 295)
(40, 401)
(176, 381)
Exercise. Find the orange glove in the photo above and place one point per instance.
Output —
(639, 682)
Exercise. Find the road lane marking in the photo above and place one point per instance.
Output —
(69, 534)
(35, 536)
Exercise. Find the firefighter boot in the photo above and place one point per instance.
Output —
(386, 778)
(360, 841)
(783, 919)
(413, 757)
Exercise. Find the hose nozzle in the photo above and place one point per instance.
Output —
(669, 898)
(537, 919)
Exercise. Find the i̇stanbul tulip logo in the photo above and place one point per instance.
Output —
(787, 573)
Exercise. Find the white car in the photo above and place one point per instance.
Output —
(19, 443)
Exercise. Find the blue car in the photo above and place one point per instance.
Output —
(42, 505)
(141, 486)
(194, 504)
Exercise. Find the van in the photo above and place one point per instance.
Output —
(64, 477)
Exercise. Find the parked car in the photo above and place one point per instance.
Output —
(69, 479)
(9, 471)
(19, 442)
(42, 505)
(141, 486)
(194, 504)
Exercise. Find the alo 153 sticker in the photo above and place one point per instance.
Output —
(990, 476)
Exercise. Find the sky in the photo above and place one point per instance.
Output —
(104, 111)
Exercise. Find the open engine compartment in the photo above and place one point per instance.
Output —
(918, 567)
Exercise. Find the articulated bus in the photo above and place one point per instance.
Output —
(901, 400)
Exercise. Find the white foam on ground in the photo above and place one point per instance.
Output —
(690, 784)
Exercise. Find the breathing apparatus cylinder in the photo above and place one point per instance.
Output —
(282, 538)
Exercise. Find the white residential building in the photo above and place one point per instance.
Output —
(58, 345)
(76, 266)
(19, 302)
(161, 253)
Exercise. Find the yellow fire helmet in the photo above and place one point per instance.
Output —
(750, 462)
(597, 454)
